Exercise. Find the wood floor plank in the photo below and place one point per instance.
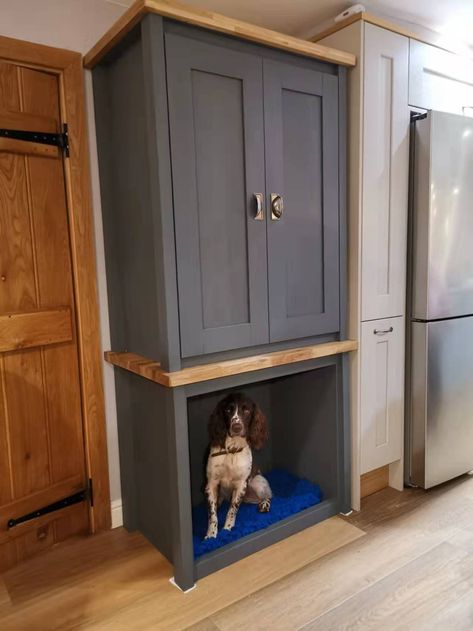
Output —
(203, 625)
(402, 526)
(412, 570)
(403, 599)
(134, 590)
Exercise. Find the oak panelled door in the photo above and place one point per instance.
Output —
(41, 435)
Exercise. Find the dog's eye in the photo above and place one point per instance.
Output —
(228, 410)
(245, 410)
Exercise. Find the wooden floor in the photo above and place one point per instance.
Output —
(404, 562)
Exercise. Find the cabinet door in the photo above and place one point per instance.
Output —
(301, 136)
(217, 151)
(382, 392)
(440, 80)
(385, 174)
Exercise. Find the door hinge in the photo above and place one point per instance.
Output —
(417, 116)
(81, 496)
(43, 138)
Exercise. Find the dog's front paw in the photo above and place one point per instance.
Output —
(229, 525)
(212, 532)
(264, 506)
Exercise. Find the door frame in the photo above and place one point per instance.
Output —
(67, 65)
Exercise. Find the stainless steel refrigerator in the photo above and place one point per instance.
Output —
(439, 374)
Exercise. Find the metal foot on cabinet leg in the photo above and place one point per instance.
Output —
(184, 591)
(347, 514)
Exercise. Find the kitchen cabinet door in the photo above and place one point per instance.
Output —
(385, 174)
(440, 80)
(301, 136)
(382, 392)
(217, 152)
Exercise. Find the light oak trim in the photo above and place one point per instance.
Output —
(214, 22)
(25, 148)
(67, 66)
(37, 328)
(374, 481)
(82, 237)
(36, 55)
(27, 122)
(382, 23)
(152, 370)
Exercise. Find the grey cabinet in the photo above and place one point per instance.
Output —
(194, 128)
(242, 126)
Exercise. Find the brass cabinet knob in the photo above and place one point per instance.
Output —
(259, 199)
(277, 206)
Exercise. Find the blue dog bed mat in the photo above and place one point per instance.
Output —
(291, 495)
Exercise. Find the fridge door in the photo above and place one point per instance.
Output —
(443, 217)
(441, 401)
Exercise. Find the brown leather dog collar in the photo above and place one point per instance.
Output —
(224, 452)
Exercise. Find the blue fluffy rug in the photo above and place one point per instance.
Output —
(290, 496)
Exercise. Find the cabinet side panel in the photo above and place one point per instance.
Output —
(350, 39)
(144, 460)
(127, 218)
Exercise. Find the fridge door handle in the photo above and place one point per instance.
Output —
(383, 331)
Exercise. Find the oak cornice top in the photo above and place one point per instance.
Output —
(215, 22)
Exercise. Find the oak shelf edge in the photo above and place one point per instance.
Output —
(151, 369)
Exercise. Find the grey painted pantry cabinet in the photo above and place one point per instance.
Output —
(222, 166)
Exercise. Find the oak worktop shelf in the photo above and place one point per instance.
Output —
(214, 22)
(151, 369)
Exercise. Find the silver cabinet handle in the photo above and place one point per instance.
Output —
(259, 198)
(383, 331)
(277, 206)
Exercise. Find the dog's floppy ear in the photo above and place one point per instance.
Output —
(217, 427)
(258, 432)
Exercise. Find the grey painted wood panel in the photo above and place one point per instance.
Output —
(301, 136)
(128, 223)
(217, 152)
(156, 115)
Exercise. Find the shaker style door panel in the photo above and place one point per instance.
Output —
(385, 174)
(440, 80)
(301, 136)
(382, 392)
(217, 151)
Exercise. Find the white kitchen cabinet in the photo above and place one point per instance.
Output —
(378, 155)
(439, 79)
(382, 392)
(385, 174)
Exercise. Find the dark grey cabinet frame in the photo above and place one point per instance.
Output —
(132, 117)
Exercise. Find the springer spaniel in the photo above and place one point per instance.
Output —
(236, 426)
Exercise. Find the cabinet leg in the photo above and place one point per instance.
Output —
(180, 500)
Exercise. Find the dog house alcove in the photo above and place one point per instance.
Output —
(163, 438)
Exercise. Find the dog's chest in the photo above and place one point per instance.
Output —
(230, 468)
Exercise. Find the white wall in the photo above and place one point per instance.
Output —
(77, 25)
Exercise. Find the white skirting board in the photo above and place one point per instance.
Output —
(117, 513)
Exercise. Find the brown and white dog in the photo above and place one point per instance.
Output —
(236, 426)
